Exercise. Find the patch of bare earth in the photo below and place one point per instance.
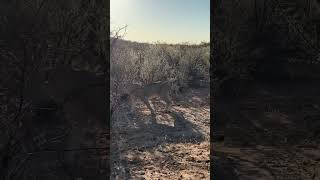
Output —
(174, 146)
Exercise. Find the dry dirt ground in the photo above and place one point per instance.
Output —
(176, 146)
(271, 133)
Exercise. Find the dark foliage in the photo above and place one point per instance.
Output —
(35, 36)
(266, 41)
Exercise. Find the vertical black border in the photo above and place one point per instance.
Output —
(107, 76)
(212, 3)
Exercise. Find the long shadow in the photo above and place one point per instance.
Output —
(183, 131)
(149, 136)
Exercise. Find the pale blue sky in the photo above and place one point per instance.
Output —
(171, 21)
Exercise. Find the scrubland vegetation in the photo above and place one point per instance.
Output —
(134, 63)
(183, 133)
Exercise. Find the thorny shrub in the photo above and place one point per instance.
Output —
(137, 64)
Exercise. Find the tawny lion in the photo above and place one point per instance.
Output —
(161, 89)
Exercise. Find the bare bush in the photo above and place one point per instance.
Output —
(137, 64)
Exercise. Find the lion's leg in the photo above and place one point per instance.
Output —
(168, 101)
(146, 101)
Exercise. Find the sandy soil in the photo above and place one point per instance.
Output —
(176, 146)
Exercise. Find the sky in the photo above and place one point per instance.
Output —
(170, 21)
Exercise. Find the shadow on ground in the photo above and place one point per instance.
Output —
(162, 146)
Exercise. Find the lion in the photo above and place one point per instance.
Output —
(160, 89)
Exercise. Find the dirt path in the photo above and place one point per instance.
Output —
(175, 147)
